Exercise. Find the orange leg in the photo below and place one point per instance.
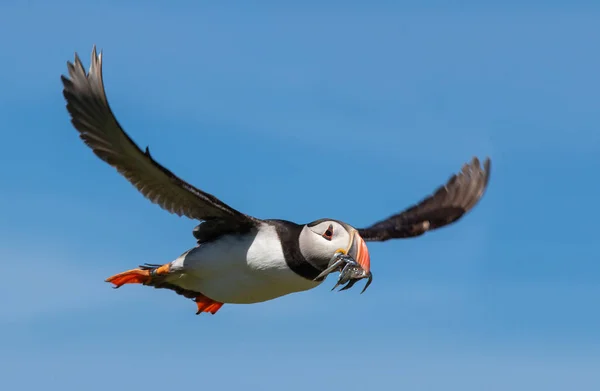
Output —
(207, 305)
(137, 276)
(144, 276)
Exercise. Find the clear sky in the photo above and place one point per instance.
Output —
(302, 110)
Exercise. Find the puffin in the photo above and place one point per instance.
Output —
(238, 258)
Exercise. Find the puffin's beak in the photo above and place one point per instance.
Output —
(359, 251)
(353, 263)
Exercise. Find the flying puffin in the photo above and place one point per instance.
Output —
(239, 258)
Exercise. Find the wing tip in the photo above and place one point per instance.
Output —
(76, 68)
(487, 167)
(480, 177)
(484, 169)
(476, 161)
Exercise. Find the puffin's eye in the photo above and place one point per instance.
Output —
(329, 233)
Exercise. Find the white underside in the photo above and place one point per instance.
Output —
(240, 269)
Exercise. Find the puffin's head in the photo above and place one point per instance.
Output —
(322, 239)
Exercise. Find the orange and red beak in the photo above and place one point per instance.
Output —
(359, 251)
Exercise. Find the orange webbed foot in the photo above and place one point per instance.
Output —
(138, 276)
(207, 305)
(134, 276)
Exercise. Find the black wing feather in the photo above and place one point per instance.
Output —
(92, 117)
(445, 206)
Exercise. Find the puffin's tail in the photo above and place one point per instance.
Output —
(155, 275)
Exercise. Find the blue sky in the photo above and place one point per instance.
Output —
(250, 102)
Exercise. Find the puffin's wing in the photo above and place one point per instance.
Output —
(446, 205)
(92, 117)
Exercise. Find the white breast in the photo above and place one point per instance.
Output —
(239, 269)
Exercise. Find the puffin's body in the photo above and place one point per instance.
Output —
(243, 268)
(238, 258)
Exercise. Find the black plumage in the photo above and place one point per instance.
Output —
(98, 128)
(289, 233)
(446, 205)
(92, 117)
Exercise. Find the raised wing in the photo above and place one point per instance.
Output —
(446, 205)
(98, 128)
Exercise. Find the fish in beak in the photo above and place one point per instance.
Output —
(353, 263)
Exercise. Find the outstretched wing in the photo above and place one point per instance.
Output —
(446, 205)
(98, 128)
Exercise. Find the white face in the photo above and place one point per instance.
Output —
(320, 242)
